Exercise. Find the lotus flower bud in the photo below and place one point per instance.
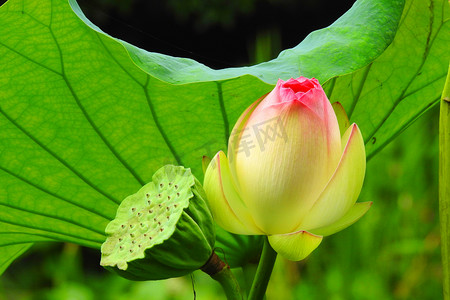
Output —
(291, 173)
(164, 230)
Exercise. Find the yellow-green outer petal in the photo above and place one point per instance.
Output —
(341, 116)
(205, 163)
(354, 214)
(344, 187)
(227, 208)
(295, 246)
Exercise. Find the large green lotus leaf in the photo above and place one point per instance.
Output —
(386, 96)
(86, 119)
(10, 253)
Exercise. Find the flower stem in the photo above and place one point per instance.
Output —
(263, 272)
(221, 272)
(444, 184)
(248, 271)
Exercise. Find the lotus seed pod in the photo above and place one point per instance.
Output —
(164, 230)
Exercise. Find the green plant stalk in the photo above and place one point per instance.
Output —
(248, 271)
(444, 184)
(221, 272)
(228, 283)
(263, 272)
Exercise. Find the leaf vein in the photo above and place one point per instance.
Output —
(57, 239)
(428, 45)
(403, 128)
(149, 103)
(63, 219)
(53, 154)
(359, 90)
(89, 119)
(158, 124)
(74, 238)
(54, 195)
(223, 110)
(30, 59)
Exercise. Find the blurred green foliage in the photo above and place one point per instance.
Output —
(391, 253)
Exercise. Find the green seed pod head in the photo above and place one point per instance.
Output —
(164, 230)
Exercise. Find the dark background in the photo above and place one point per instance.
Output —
(218, 33)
